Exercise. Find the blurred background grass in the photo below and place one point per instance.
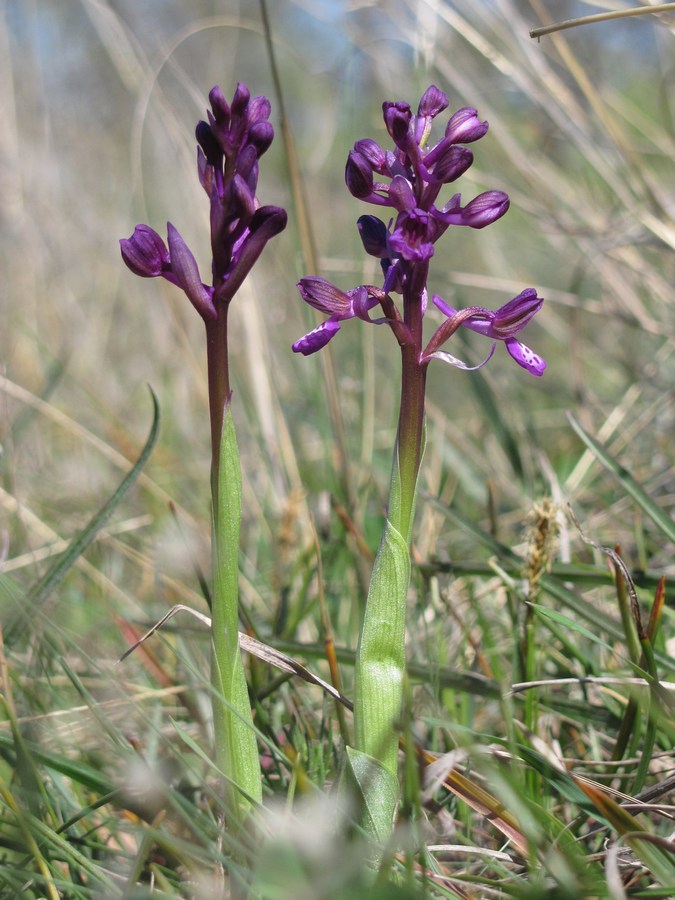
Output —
(99, 102)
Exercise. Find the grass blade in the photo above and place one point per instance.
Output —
(663, 522)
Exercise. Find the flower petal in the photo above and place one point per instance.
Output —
(185, 269)
(267, 222)
(433, 102)
(401, 194)
(483, 210)
(363, 301)
(325, 297)
(318, 338)
(444, 356)
(358, 175)
(444, 307)
(374, 236)
(145, 252)
(465, 126)
(525, 357)
(512, 317)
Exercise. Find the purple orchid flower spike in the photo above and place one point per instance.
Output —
(230, 145)
(408, 180)
(502, 324)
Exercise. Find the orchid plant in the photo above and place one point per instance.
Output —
(407, 180)
(230, 146)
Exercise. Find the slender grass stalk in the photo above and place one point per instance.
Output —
(602, 17)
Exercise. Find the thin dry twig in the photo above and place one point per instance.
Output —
(250, 645)
(601, 17)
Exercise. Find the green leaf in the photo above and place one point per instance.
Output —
(376, 790)
(380, 658)
(566, 622)
(236, 747)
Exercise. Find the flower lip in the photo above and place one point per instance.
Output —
(318, 338)
(413, 236)
(528, 359)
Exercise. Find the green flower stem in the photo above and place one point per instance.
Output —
(236, 748)
(380, 657)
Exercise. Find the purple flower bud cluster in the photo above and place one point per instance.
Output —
(409, 180)
(230, 145)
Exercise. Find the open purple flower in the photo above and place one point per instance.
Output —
(502, 324)
(337, 304)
